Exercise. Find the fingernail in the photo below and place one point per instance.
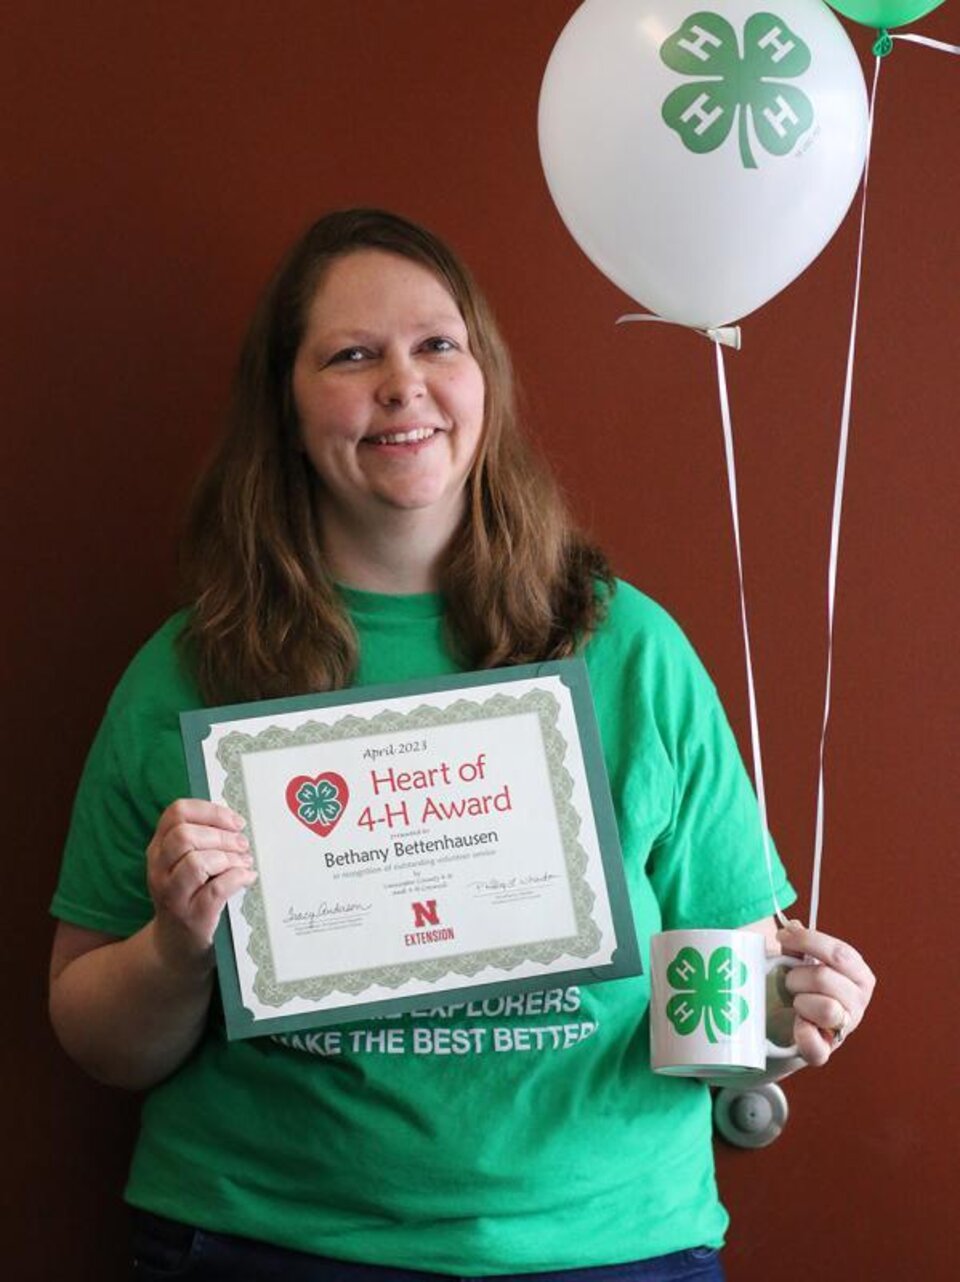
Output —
(795, 924)
(239, 820)
(248, 860)
(242, 843)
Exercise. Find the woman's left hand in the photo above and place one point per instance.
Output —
(830, 996)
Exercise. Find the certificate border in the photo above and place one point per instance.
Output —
(539, 703)
(625, 961)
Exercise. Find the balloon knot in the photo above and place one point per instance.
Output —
(883, 43)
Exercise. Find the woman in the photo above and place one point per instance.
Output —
(374, 515)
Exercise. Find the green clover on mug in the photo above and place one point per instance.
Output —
(319, 802)
(705, 991)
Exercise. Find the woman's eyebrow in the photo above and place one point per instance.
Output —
(359, 333)
(343, 334)
(441, 318)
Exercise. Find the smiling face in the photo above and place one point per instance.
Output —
(389, 397)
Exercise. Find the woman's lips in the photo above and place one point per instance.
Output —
(409, 436)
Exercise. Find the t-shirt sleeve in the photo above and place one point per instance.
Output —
(709, 868)
(135, 768)
(102, 881)
(686, 805)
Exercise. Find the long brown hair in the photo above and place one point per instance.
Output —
(520, 584)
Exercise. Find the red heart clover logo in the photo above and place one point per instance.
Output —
(319, 802)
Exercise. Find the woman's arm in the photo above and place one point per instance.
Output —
(130, 1011)
(119, 1011)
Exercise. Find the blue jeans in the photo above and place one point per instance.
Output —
(167, 1249)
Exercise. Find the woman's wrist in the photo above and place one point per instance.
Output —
(180, 959)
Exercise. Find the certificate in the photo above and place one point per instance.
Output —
(453, 836)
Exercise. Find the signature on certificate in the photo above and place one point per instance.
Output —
(303, 920)
(523, 881)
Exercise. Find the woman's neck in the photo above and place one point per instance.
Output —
(399, 555)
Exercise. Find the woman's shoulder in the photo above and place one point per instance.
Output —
(643, 654)
(136, 764)
(634, 619)
(642, 664)
(157, 681)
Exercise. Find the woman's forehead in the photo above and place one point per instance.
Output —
(371, 284)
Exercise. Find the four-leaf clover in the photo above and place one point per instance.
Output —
(729, 86)
(705, 992)
(319, 802)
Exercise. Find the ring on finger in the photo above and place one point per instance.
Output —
(839, 1031)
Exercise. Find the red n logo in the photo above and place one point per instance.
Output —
(426, 914)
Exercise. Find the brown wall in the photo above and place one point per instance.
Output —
(158, 156)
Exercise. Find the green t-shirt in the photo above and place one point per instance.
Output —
(507, 1135)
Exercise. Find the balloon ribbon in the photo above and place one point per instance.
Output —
(730, 456)
(729, 336)
(838, 489)
(842, 464)
(912, 39)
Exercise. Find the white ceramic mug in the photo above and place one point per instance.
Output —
(708, 1005)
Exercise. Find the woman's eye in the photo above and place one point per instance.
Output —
(349, 356)
(440, 344)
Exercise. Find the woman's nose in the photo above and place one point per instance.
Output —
(401, 381)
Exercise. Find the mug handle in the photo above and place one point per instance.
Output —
(773, 1050)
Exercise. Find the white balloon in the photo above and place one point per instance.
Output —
(702, 158)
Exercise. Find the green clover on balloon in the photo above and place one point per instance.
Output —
(705, 992)
(729, 87)
(319, 802)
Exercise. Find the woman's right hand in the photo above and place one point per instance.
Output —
(131, 1010)
(197, 859)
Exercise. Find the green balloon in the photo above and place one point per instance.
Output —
(884, 13)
